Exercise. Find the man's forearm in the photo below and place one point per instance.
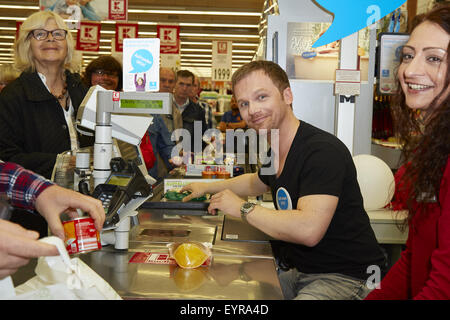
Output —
(243, 185)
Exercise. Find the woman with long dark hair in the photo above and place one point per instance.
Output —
(422, 120)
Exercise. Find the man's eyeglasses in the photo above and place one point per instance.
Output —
(105, 73)
(41, 34)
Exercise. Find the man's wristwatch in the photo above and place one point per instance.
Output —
(246, 208)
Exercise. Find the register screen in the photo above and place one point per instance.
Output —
(119, 180)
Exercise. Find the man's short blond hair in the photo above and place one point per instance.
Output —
(271, 69)
(23, 56)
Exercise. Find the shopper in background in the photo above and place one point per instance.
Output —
(324, 242)
(195, 97)
(104, 71)
(37, 110)
(232, 119)
(158, 131)
(7, 74)
(191, 112)
(422, 119)
(166, 80)
(27, 190)
(167, 84)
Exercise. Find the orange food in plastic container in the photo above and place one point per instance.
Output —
(190, 254)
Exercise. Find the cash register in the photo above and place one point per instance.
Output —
(122, 187)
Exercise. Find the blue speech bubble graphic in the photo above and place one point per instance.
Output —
(141, 61)
(351, 16)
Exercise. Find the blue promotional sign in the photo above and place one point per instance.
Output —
(141, 60)
(351, 16)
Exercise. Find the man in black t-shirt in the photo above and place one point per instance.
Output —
(323, 234)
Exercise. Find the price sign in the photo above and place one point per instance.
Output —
(221, 60)
(221, 74)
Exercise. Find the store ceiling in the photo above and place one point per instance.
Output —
(237, 20)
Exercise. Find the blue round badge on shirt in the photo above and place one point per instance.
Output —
(283, 199)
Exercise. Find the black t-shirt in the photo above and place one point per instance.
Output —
(319, 163)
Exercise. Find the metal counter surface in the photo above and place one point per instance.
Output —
(238, 271)
(221, 280)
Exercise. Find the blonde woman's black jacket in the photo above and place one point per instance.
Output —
(33, 129)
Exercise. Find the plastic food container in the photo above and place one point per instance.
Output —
(190, 255)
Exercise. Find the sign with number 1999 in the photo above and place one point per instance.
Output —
(221, 60)
(221, 74)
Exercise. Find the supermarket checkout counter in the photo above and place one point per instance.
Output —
(242, 268)
(239, 270)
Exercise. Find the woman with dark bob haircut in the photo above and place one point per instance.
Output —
(105, 71)
(422, 121)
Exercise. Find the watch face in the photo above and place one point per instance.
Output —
(247, 205)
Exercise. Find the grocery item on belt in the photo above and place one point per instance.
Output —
(176, 195)
(190, 254)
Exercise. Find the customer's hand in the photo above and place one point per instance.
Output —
(55, 200)
(18, 246)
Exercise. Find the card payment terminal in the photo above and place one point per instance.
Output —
(125, 189)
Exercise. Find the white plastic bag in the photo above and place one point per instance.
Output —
(60, 278)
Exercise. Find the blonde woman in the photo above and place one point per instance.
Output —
(37, 109)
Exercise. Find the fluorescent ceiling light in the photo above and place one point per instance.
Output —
(189, 24)
(8, 6)
(148, 23)
(195, 60)
(13, 18)
(209, 56)
(220, 13)
(96, 52)
(147, 33)
(218, 25)
(201, 35)
(235, 44)
(214, 13)
(243, 51)
(212, 35)
(210, 50)
(209, 61)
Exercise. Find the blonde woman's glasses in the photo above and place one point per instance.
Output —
(42, 34)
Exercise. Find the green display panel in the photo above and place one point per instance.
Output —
(141, 104)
